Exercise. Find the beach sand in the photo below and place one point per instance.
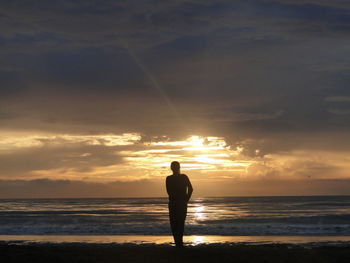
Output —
(162, 240)
(50, 252)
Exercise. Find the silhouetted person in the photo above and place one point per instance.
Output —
(179, 189)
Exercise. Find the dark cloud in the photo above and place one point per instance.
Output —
(45, 27)
(327, 3)
(43, 188)
(77, 157)
(280, 187)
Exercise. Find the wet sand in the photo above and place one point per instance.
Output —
(202, 249)
(189, 240)
(203, 253)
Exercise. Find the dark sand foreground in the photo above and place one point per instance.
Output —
(75, 252)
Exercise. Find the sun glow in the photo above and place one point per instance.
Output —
(195, 153)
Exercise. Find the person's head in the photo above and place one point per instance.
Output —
(175, 167)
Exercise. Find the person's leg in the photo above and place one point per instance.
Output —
(177, 223)
(172, 218)
(181, 217)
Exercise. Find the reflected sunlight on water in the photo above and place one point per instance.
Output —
(197, 240)
(199, 213)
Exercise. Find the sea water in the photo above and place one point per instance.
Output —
(220, 216)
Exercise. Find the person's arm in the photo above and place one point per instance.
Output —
(167, 186)
(189, 189)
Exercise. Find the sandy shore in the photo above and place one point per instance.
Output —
(189, 240)
(89, 252)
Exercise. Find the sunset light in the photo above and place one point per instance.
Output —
(98, 98)
(131, 129)
(205, 154)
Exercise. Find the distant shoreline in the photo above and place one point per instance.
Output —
(165, 197)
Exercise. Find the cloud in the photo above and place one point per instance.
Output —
(44, 188)
(336, 3)
(108, 157)
(60, 155)
(338, 99)
(269, 77)
(300, 165)
(61, 159)
(340, 111)
(342, 107)
(231, 115)
(65, 26)
(275, 187)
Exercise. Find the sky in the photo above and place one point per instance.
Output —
(98, 97)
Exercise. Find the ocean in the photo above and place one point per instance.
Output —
(222, 216)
